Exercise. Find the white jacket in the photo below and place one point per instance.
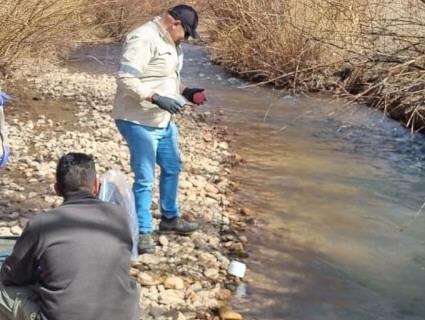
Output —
(151, 63)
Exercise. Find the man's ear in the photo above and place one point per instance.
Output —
(57, 190)
(96, 186)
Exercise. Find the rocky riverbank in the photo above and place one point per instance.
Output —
(56, 111)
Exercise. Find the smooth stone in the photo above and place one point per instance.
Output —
(224, 294)
(150, 259)
(174, 283)
(163, 240)
(16, 230)
(211, 273)
(228, 314)
(197, 286)
(145, 279)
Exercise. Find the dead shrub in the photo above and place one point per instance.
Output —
(37, 26)
(48, 27)
(116, 17)
(372, 51)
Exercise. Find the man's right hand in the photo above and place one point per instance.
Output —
(167, 104)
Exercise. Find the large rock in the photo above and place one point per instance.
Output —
(174, 283)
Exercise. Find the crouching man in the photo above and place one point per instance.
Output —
(73, 262)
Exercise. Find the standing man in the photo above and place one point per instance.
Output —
(148, 94)
(73, 262)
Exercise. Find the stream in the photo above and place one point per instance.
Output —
(337, 192)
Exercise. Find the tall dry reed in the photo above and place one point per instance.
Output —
(372, 51)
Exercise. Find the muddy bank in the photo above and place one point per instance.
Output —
(57, 111)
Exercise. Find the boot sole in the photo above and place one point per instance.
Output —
(146, 250)
(176, 232)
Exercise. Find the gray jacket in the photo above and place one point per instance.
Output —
(76, 258)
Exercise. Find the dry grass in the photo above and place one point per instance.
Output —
(116, 17)
(372, 51)
(50, 27)
(37, 26)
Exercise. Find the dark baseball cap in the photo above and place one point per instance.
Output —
(188, 16)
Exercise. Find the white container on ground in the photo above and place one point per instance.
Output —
(237, 269)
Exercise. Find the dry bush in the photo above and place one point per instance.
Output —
(48, 27)
(116, 17)
(37, 26)
(370, 50)
(270, 39)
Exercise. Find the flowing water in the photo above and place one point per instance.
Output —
(336, 189)
(337, 192)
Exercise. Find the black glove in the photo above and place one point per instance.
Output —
(167, 104)
(194, 95)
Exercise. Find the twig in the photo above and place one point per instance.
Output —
(287, 75)
(358, 96)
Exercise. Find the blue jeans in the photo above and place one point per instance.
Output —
(148, 146)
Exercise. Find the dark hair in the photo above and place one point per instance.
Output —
(75, 172)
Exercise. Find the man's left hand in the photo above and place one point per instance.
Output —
(195, 95)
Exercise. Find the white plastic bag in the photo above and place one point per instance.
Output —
(115, 189)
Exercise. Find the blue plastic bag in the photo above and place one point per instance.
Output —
(5, 155)
(6, 246)
(4, 97)
(4, 149)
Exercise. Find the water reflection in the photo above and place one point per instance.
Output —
(333, 184)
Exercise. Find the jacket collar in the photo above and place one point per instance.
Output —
(162, 31)
(79, 197)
